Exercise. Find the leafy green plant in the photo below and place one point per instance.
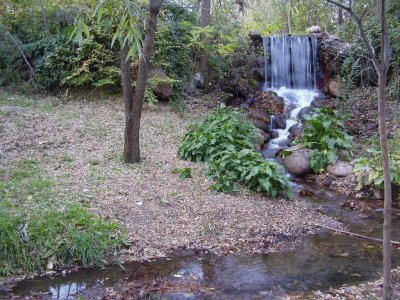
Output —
(369, 170)
(250, 168)
(183, 172)
(225, 139)
(324, 134)
(221, 130)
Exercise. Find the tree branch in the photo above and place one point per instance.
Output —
(32, 72)
(357, 235)
(370, 49)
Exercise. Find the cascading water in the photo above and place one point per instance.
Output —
(290, 71)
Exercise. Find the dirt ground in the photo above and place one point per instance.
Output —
(80, 142)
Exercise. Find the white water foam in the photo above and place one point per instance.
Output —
(298, 99)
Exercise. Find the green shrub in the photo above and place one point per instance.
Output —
(223, 129)
(324, 134)
(39, 226)
(369, 170)
(225, 139)
(250, 168)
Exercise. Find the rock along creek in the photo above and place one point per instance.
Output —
(317, 262)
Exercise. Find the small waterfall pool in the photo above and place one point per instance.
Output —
(290, 71)
(296, 100)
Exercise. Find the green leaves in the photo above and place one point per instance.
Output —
(183, 172)
(225, 139)
(324, 134)
(122, 19)
(369, 170)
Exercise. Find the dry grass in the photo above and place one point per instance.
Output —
(80, 144)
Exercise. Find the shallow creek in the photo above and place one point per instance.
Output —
(318, 262)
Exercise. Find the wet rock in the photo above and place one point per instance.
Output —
(270, 153)
(259, 140)
(280, 121)
(261, 125)
(297, 163)
(260, 115)
(162, 89)
(273, 134)
(322, 101)
(304, 111)
(284, 143)
(265, 136)
(295, 130)
(268, 101)
(340, 169)
(289, 108)
(334, 88)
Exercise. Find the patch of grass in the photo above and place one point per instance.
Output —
(38, 225)
(97, 130)
(93, 162)
(183, 172)
(25, 102)
(66, 159)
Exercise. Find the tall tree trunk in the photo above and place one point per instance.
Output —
(43, 15)
(387, 212)
(381, 66)
(134, 103)
(204, 22)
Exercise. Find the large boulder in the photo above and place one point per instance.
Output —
(260, 115)
(298, 163)
(269, 101)
(160, 83)
(314, 29)
(340, 169)
(305, 111)
(334, 88)
(280, 121)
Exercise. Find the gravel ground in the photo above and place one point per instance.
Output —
(80, 142)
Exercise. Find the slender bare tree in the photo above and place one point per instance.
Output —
(381, 66)
(134, 100)
(204, 22)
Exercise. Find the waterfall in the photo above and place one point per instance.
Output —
(290, 71)
(290, 61)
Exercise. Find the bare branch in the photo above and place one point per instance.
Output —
(356, 234)
(360, 26)
(32, 72)
(348, 8)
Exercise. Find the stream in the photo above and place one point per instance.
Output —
(317, 262)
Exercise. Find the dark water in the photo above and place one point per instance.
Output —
(319, 262)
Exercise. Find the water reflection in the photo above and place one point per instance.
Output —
(319, 262)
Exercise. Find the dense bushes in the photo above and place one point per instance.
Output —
(58, 61)
(225, 139)
(324, 134)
